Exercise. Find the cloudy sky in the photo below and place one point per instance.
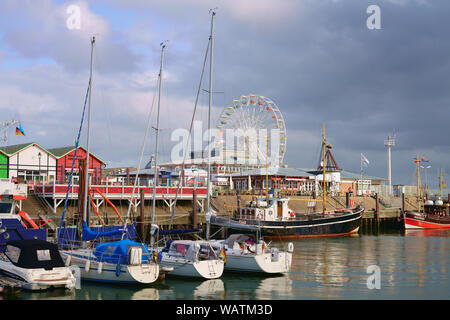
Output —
(316, 59)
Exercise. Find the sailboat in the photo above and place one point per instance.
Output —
(431, 214)
(193, 258)
(275, 220)
(121, 261)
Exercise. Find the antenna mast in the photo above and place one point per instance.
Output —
(389, 143)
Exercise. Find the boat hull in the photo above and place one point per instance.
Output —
(415, 220)
(107, 272)
(262, 263)
(38, 279)
(325, 225)
(207, 269)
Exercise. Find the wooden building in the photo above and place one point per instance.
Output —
(65, 158)
(27, 162)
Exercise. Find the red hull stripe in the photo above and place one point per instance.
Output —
(424, 224)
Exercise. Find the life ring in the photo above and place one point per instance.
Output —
(259, 216)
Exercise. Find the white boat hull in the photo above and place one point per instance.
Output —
(261, 263)
(208, 269)
(38, 279)
(108, 272)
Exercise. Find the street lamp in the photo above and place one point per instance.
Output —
(39, 157)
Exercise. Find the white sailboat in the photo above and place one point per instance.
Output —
(246, 254)
(191, 258)
(262, 258)
(122, 261)
(187, 257)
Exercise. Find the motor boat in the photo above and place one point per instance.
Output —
(35, 265)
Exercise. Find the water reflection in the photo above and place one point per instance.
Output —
(414, 265)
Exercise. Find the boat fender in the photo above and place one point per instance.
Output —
(260, 216)
(159, 256)
(118, 270)
(87, 266)
(292, 214)
(100, 268)
(68, 261)
(290, 247)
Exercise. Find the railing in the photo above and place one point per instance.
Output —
(59, 190)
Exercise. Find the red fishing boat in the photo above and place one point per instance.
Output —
(431, 215)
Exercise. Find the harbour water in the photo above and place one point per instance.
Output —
(412, 265)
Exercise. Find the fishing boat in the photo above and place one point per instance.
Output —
(431, 214)
(273, 217)
(16, 224)
(35, 265)
(244, 253)
(120, 261)
(191, 258)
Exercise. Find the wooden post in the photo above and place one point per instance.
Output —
(403, 202)
(377, 206)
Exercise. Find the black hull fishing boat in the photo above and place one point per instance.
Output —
(277, 221)
(272, 216)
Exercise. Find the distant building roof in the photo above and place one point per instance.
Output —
(352, 175)
(13, 149)
(62, 151)
(288, 172)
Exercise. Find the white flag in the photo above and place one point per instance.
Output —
(364, 161)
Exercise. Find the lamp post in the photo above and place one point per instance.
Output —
(39, 157)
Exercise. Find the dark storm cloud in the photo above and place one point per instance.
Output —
(316, 59)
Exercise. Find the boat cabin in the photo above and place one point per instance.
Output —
(190, 250)
(34, 254)
(436, 208)
(275, 209)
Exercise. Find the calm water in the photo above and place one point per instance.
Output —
(413, 265)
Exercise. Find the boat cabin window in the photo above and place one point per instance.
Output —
(43, 255)
(13, 253)
(5, 207)
(179, 248)
(206, 252)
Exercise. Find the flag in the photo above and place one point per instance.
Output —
(364, 161)
(444, 185)
(424, 160)
(19, 131)
(417, 160)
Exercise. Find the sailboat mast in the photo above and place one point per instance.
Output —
(208, 180)
(323, 167)
(86, 188)
(419, 200)
(267, 169)
(156, 173)
(441, 178)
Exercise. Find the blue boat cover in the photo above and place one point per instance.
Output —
(91, 235)
(117, 251)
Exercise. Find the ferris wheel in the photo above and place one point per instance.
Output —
(261, 114)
